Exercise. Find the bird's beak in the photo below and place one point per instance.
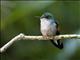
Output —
(37, 16)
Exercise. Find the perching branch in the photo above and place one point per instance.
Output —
(24, 37)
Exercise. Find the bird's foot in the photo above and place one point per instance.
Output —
(48, 37)
(45, 37)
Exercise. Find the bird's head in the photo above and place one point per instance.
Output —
(47, 15)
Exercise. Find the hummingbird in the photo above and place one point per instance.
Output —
(50, 27)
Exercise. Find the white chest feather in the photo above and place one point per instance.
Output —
(48, 27)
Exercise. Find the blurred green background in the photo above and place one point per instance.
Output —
(19, 17)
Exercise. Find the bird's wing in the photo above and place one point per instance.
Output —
(58, 29)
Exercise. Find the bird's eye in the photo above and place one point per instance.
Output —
(48, 17)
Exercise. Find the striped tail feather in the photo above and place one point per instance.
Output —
(57, 43)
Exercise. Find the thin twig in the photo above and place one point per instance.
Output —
(24, 37)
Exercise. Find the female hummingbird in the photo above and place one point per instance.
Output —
(49, 27)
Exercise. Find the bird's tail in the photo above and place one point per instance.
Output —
(57, 43)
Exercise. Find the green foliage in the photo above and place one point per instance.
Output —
(19, 17)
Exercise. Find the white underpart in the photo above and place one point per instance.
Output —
(48, 27)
